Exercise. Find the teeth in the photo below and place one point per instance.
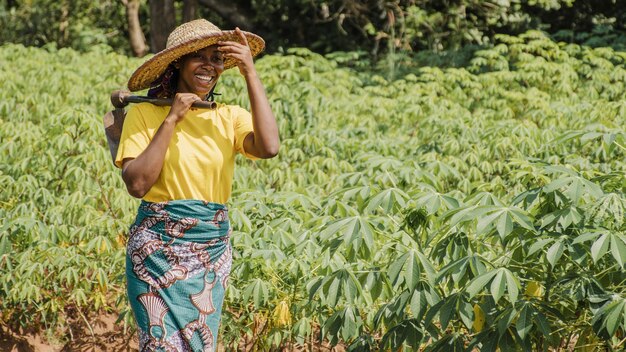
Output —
(205, 78)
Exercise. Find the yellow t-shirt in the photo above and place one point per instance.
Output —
(200, 159)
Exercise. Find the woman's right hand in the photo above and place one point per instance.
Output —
(181, 104)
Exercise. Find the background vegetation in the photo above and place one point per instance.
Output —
(452, 174)
(446, 209)
(371, 26)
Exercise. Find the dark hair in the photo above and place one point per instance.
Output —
(165, 86)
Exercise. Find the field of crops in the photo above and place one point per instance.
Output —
(449, 209)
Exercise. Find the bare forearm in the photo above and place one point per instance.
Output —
(265, 141)
(141, 173)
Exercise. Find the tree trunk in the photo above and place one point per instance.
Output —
(190, 10)
(135, 34)
(227, 10)
(162, 22)
(64, 23)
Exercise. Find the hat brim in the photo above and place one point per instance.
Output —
(150, 70)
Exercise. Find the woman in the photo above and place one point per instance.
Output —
(180, 161)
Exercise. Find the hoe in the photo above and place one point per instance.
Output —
(114, 120)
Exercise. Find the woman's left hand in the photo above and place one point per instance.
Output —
(240, 52)
(264, 141)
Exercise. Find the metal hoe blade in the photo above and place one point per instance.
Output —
(113, 122)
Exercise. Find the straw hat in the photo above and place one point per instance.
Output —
(185, 39)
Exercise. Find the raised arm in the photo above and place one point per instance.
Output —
(140, 173)
(264, 141)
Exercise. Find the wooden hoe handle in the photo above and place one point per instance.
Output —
(114, 120)
(120, 99)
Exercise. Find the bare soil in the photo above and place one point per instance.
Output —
(107, 337)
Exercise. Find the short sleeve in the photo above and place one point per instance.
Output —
(134, 139)
(242, 124)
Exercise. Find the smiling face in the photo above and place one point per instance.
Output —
(199, 71)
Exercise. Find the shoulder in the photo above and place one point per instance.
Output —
(231, 111)
(148, 113)
(145, 109)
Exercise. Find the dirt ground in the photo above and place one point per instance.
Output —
(106, 337)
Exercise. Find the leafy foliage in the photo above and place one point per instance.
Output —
(394, 27)
(449, 209)
(76, 24)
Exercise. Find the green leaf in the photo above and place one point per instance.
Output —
(539, 245)
(349, 328)
(412, 271)
(586, 237)
(524, 322)
(351, 287)
(522, 219)
(505, 319)
(505, 225)
(396, 267)
(476, 265)
(431, 274)
(389, 199)
(600, 247)
(418, 303)
(456, 270)
(447, 310)
(615, 317)
(555, 252)
(466, 313)
(618, 250)
(5, 244)
(314, 286)
(470, 213)
(512, 285)
(343, 226)
(480, 282)
(260, 293)
(433, 201)
(333, 291)
(375, 288)
(615, 314)
(498, 285)
(486, 223)
(542, 323)
(356, 289)
(333, 324)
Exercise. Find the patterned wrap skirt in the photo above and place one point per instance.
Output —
(177, 265)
